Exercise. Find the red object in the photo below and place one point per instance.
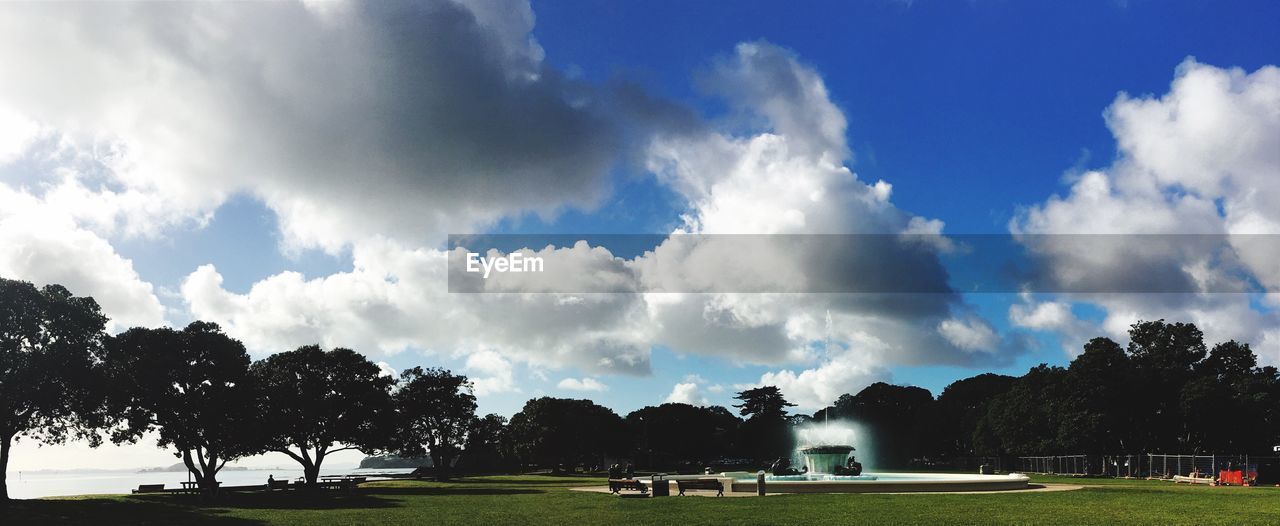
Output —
(1234, 476)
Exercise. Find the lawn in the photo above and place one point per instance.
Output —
(537, 499)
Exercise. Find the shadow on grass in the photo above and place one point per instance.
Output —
(112, 511)
(280, 500)
(447, 490)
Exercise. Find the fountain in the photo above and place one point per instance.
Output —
(826, 459)
(830, 467)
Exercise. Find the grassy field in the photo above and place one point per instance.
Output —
(537, 499)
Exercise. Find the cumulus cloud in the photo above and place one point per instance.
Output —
(687, 393)
(371, 129)
(395, 299)
(493, 373)
(1200, 159)
(583, 384)
(400, 119)
(786, 173)
(44, 245)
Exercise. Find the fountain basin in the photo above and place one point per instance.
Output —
(825, 459)
(881, 482)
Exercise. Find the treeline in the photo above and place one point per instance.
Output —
(63, 377)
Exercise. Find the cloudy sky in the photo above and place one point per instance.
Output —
(291, 171)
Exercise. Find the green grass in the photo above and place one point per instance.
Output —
(536, 499)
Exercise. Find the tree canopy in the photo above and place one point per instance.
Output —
(563, 433)
(434, 409)
(322, 402)
(51, 346)
(192, 387)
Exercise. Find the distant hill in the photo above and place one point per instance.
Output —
(182, 468)
(393, 461)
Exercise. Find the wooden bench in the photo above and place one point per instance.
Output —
(150, 488)
(277, 484)
(345, 484)
(617, 485)
(714, 484)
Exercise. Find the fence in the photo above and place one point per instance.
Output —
(1055, 465)
(1150, 465)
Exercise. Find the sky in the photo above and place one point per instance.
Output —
(292, 172)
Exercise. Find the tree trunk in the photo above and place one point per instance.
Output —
(5, 442)
(441, 464)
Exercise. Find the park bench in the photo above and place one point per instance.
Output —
(277, 484)
(340, 483)
(150, 488)
(714, 484)
(617, 485)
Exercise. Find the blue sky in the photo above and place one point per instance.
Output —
(297, 186)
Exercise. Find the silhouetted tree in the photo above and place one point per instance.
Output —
(896, 417)
(319, 403)
(1165, 356)
(51, 344)
(564, 433)
(673, 434)
(1096, 411)
(766, 433)
(960, 406)
(764, 401)
(1024, 420)
(434, 408)
(483, 452)
(191, 386)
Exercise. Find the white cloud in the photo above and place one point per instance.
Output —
(406, 120)
(385, 369)
(494, 373)
(687, 393)
(44, 246)
(1200, 159)
(971, 334)
(584, 384)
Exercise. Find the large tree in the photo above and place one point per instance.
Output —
(960, 406)
(1025, 419)
(483, 452)
(192, 387)
(1095, 411)
(51, 346)
(319, 403)
(563, 433)
(1165, 358)
(434, 408)
(766, 433)
(680, 435)
(899, 419)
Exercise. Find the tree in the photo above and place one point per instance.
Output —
(1025, 419)
(563, 433)
(766, 434)
(51, 346)
(897, 418)
(1165, 357)
(1095, 412)
(434, 408)
(961, 405)
(766, 402)
(320, 403)
(191, 386)
(672, 435)
(483, 452)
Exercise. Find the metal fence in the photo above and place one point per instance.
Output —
(1149, 465)
(1077, 465)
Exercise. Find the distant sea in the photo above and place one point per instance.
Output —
(35, 484)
